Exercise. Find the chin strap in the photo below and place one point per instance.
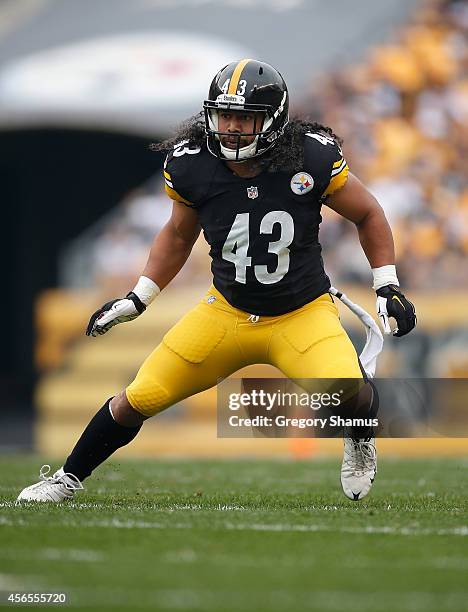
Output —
(374, 338)
(245, 153)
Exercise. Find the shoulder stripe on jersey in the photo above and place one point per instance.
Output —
(337, 181)
(340, 168)
(169, 183)
(167, 175)
(338, 163)
(172, 193)
(234, 82)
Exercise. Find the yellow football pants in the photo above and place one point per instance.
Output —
(214, 339)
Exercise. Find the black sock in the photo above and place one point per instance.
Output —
(362, 405)
(367, 410)
(102, 437)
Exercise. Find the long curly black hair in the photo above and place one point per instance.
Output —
(287, 155)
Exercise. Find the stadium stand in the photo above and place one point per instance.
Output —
(403, 117)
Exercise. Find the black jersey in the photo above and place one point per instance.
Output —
(262, 231)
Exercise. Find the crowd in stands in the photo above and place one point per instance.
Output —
(403, 116)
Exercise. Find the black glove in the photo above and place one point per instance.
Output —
(114, 312)
(392, 303)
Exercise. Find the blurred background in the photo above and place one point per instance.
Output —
(86, 87)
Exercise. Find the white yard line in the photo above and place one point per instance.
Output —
(52, 554)
(382, 529)
(461, 531)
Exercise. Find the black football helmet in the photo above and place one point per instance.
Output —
(251, 86)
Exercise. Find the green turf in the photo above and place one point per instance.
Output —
(254, 535)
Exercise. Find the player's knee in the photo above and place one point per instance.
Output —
(148, 396)
(124, 413)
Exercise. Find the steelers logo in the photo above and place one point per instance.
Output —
(302, 183)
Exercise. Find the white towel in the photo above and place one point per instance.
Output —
(374, 338)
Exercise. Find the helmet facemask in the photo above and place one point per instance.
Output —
(267, 127)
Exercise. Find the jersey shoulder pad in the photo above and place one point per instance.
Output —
(187, 173)
(324, 160)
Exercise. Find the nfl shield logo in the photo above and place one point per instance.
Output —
(252, 192)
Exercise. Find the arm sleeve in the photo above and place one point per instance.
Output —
(338, 176)
(171, 191)
(181, 178)
(324, 159)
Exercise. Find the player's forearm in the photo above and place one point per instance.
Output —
(376, 238)
(168, 255)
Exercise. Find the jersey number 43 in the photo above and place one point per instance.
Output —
(236, 247)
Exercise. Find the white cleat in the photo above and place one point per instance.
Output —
(359, 467)
(56, 488)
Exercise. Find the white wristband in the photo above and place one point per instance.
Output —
(146, 290)
(385, 275)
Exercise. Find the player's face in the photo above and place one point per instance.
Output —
(238, 122)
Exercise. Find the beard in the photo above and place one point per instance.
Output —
(231, 142)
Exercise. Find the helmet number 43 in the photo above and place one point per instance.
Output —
(241, 87)
(236, 247)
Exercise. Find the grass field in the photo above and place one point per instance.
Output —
(215, 536)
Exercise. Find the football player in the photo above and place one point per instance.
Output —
(254, 182)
